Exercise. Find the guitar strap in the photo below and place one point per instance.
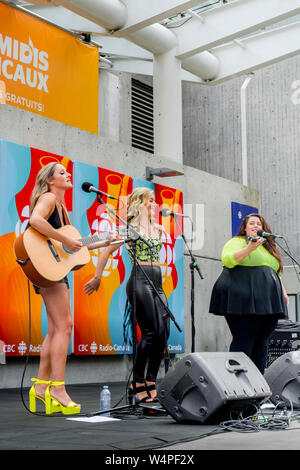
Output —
(65, 215)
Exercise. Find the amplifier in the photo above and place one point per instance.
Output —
(285, 338)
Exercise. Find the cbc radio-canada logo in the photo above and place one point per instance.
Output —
(87, 348)
(21, 348)
(94, 348)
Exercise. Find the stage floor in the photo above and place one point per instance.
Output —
(21, 430)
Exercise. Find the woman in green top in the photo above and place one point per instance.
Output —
(150, 313)
(249, 291)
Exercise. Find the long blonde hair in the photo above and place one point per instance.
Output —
(41, 183)
(135, 201)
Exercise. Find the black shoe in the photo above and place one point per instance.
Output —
(149, 388)
(138, 389)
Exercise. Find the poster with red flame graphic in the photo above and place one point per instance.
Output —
(98, 319)
(19, 166)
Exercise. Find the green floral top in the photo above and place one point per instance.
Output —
(144, 252)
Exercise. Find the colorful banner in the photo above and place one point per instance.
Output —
(19, 166)
(47, 71)
(98, 319)
(172, 262)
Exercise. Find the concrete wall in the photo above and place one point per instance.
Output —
(111, 149)
(212, 139)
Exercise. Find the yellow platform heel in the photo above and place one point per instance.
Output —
(33, 397)
(71, 409)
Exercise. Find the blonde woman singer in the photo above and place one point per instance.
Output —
(47, 214)
(150, 313)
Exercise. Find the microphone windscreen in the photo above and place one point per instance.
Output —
(165, 212)
(260, 233)
(86, 186)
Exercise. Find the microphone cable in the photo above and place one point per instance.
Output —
(294, 265)
(28, 355)
(44, 415)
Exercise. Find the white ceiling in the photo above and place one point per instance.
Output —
(215, 40)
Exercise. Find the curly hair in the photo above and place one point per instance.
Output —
(269, 244)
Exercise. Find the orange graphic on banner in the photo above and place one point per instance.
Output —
(47, 71)
(171, 199)
(15, 306)
(94, 322)
(91, 313)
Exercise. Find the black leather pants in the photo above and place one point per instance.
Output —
(150, 313)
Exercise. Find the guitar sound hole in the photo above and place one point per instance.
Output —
(70, 252)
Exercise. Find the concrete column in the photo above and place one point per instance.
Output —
(244, 131)
(167, 106)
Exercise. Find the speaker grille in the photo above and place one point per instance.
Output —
(210, 387)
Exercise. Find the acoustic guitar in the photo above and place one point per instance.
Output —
(45, 261)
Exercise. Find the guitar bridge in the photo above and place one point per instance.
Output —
(53, 251)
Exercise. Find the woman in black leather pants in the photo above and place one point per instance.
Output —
(150, 313)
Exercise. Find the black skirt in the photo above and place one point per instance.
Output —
(248, 290)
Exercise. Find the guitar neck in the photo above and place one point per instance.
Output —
(94, 238)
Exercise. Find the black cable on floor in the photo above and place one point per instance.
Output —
(28, 355)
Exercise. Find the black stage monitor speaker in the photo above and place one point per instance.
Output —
(283, 377)
(285, 338)
(212, 387)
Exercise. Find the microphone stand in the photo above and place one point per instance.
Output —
(287, 253)
(167, 314)
(132, 406)
(193, 266)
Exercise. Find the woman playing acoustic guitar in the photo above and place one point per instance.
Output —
(47, 214)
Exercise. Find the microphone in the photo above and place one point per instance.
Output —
(127, 236)
(167, 212)
(252, 239)
(263, 234)
(118, 242)
(89, 188)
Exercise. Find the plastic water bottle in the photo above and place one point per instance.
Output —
(105, 400)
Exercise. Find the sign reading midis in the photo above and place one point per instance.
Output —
(34, 58)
